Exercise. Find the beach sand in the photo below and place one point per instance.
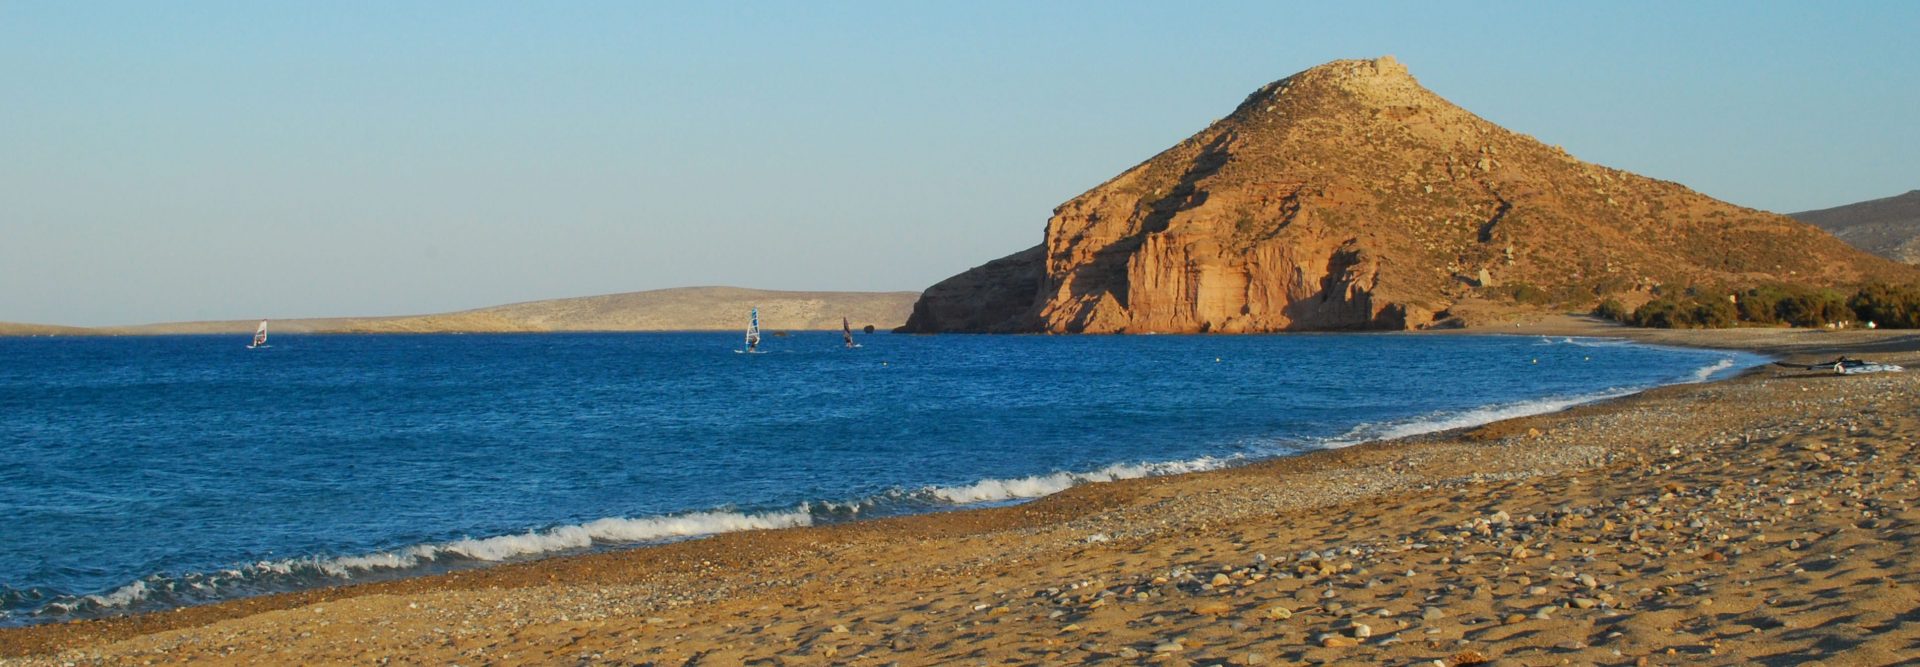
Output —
(1766, 519)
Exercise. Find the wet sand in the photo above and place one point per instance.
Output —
(1767, 519)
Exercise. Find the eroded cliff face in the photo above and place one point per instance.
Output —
(1350, 197)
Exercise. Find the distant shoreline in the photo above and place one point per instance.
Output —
(676, 309)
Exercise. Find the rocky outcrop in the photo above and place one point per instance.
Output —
(1350, 197)
(992, 298)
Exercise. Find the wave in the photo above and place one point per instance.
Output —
(1585, 341)
(1035, 486)
(1705, 373)
(1486, 414)
(295, 573)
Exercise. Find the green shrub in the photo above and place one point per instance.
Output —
(1612, 309)
(1676, 312)
(1528, 294)
(1814, 309)
(1762, 304)
(1896, 306)
(1715, 313)
(1663, 313)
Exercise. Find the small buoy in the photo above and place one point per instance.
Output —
(1216, 360)
(1536, 361)
(1586, 358)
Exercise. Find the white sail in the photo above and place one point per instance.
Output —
(260, 335)
(753, 330)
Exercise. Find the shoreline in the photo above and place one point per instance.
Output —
(758, 555)
(423, 560)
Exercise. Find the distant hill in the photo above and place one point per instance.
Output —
(680, 309)
(20, 329)
(1887, 227)
(1348, 196)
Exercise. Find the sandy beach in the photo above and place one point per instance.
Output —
(1766, 519)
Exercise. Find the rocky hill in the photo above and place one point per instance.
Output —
(1887, 227)
(1349, 197)
(680, 309)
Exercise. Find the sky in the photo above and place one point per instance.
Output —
(230, 160)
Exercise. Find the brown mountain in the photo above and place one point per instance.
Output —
(680, 309)
(1348, 196)
(1887, 227)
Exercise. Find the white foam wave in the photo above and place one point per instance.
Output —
(490, 549)
(1488, 414)
(1705, 373)
(1585, 341)
(584, 535)
(122, 596)
(1035, 486)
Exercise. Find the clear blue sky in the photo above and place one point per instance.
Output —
(193, 160)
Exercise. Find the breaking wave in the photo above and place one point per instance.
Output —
(1705, 373)
(1487, 414)
(1035, 486)
(1447, 421)
(295, 573)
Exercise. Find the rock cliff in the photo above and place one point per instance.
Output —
(1350, 197)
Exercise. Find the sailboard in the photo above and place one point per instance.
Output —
(259, 337)
(846, 333)
(753, 333)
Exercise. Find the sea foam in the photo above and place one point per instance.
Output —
(283, 574)
(1035, 486)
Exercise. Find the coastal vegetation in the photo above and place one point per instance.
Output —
(1882, 305)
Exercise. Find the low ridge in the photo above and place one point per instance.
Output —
(678, 309)
(1348, 196)
(1888, 227)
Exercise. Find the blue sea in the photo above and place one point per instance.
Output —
(146, 473)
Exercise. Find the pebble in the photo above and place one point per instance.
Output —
(1336, 641)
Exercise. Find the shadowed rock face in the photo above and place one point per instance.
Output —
(992, 298)
(1887, 227)
(1350, 197)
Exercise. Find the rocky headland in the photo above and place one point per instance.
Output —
(1348, 196)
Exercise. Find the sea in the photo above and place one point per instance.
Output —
(146, 473)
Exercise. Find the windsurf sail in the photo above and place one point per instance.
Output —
(846, 332)
(259, 336)
(753, 330)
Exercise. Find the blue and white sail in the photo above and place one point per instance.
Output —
(753, 331)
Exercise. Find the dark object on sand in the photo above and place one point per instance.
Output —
(1845, 366)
